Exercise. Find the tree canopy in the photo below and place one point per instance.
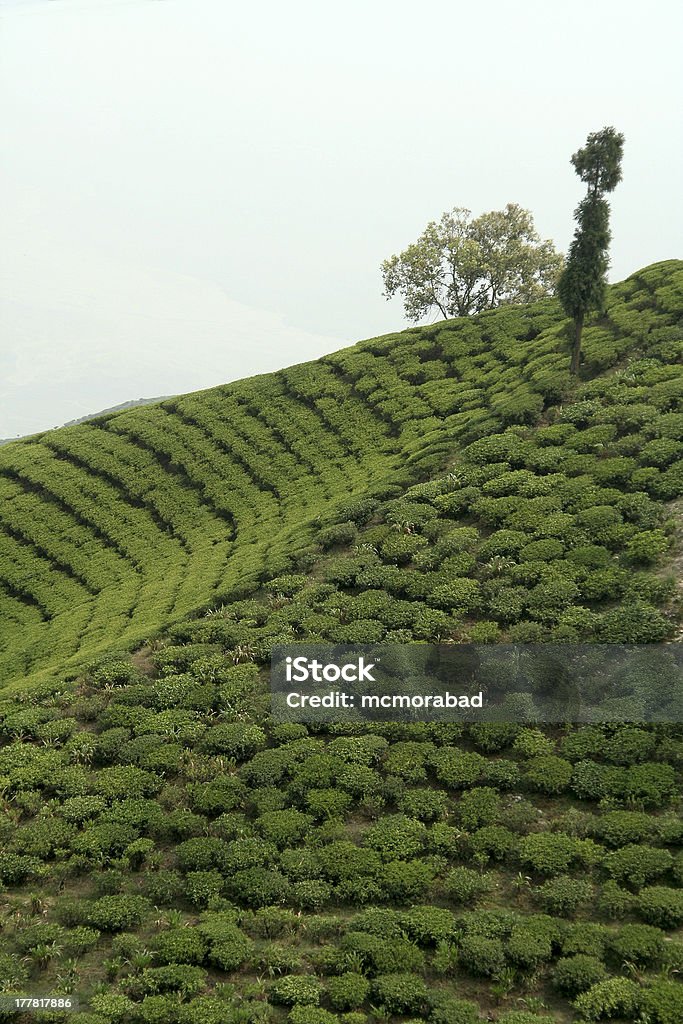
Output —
(462, 265)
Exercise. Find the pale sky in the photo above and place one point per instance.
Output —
(193, 191)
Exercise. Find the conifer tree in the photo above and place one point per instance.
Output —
(581, 287)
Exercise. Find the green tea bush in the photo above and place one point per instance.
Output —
(615, 902)
(348, 991)
(551, 853)
(451, 1010)
(400, 993)
(661, 906)
(502, 774)
(482, 956)
(533, 743)
(427, 925)
(564, 895)
(401, 548)
(396, 836)
(463, 885)
(258, 887)
(423, 803)
(529, 946)
(548, 773)
(282, 828)
(181, 978)
(619, 828)
(574, 974)
(408, 759)
(229, 948)
(459, 593)
(116, 912)
(637, 864)
(403, 881)
(479, 807)
(524, 1017)
(638, 943)
(310, 894)
(316, 1015)
(662, 1002)
(203, 887)
(492, 841)
(613, 997)
(647, 548)
(180, 946)
(202, 854)
(457, 769)
(583, 937)
(234, 739)
(296, 990)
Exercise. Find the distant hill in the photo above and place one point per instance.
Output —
(94, 415)
(116, 408)
(115, 527)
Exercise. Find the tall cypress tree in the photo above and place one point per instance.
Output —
(581, 286)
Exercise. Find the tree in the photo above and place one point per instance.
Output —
(463, 265)
(581, 287)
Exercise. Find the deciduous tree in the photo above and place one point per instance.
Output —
(462, 265)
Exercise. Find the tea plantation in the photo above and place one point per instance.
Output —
(169, 854)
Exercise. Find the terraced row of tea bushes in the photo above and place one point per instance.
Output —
(169, 854)
(555, 532)
(536, 534)
(111, 529)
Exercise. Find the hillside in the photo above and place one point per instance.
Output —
(170, 855)
(113, 528)
(133, 404)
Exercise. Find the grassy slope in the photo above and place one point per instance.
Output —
(489, 499)
(113, 528)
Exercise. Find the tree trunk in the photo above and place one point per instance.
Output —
(576, 350)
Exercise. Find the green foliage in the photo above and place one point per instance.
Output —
(614, 901)
(574, 974)
(662, 1002)
(463, 885)
(482, 956)
(396, 836)
(400, 993)
(450, 1010)
(548, 773)
(582, 284)
(551, 853)
(637, 864)
(348, 991)
(638, 943)
(613, 997)
(661, 906)
(564, 895)
(619, 828)
(152, 797)
(479, 807)
(460, 265)
(524, 1017)
(457, 769)
(180, 946)
(529, 945)
(296, 990)
(116, 912)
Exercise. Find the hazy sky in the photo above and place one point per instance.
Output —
(197, 190)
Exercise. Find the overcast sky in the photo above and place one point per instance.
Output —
(194, 191)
